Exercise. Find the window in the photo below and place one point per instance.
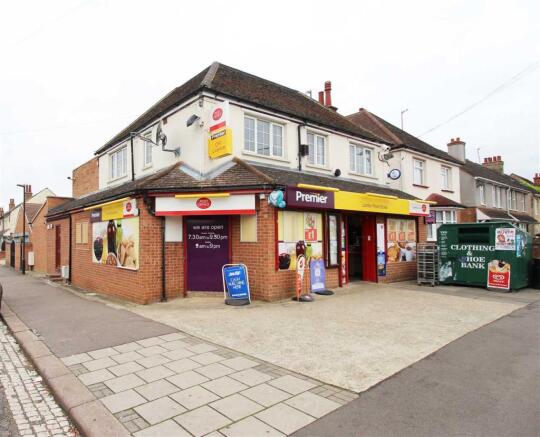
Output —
(482, 194)
(361, 159)
(147, 150)
(248, 228)
(400, 240)
(446, 175)
(523, 202)
(441, 217)
(513, 200)
(81, 233)
(317, 149)
(418, 172)
(263, 137)
(499, 197)
(119, 163)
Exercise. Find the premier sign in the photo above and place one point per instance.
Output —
(300, 198)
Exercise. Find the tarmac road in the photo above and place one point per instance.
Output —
(486, 383)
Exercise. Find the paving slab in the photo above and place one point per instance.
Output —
(202, 421)
(159, 410)
(187, 379)
(251, 377)
(250, 426)
(284, 418)
(215, 370)
(236, 407)
(124, 369)
(123, 383)
(312, 404)
(266, 395)
(122, 401)
(182, 365)
(169, 428)
(240, 363)
(155, 373)
(292, 384)
(95, 376)
(157, 389)
(224, 386)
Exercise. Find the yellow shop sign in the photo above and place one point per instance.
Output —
(370, 202)
(220, 143)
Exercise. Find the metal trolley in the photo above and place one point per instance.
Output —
(427, 261)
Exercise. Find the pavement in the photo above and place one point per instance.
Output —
(486, 383)
(354, 339)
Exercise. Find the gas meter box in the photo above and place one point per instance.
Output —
(496, 255)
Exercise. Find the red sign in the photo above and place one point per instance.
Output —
(498, 275)
(310, 234)
(217, 114)
(203, 203)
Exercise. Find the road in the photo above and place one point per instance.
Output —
(487, 383)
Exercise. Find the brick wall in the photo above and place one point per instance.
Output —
(467, 215)
(85, 178)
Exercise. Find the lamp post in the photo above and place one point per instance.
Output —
(23, 251)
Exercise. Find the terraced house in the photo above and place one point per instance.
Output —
(233, 168)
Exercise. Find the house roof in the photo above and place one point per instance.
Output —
(522, 217)
(478, 170)
(230, 82)
(32, 210)
(443, 201)
(394, 135)
(527, 183)
(496, 214)
(236, 174)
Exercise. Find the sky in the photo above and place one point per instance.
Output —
(75, 73)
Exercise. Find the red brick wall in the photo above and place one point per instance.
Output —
(174, 268)
(85, 178)
(39, 241)
(467, 215)
(51, 245)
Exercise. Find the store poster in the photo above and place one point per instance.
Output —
(401, 240)
(317, 275)
(116, 242)
(505, 239)
(381, 250)
(498, 275)
(299, 234)
(333, 239)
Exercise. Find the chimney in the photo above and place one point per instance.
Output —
(27, 192)
(11, 204)
(456, 149)
(1, 211)
(536, 179)
(494, 163)
(321, 97)
(328, 95)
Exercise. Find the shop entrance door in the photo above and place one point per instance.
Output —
(361, 247)
(207, 250)
(58, 248)
(12, 254)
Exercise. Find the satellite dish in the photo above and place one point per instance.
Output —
(161, 138)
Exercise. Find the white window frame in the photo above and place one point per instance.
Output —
(513, 200)
(482, 194)
(354, 150)
(421, 168)
(446, 175)
(114, 161)
(314, 158)
(271, 145)
(523, 202)
(446, 216)
(147, 146)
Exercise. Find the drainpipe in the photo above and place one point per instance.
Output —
(132, 160)
(163, 263)
(69, 264)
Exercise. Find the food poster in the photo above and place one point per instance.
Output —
(299, 233)
(505, 239)
(498, 275)
(401, 240)
(116, 242)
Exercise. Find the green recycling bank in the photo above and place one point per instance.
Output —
(496, 255)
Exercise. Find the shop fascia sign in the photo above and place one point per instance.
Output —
(302, 198)
(219, 131)
(116, 209)
(205, 204)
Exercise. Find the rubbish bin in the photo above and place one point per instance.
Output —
(496, 255)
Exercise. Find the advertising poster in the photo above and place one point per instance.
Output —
(401, 240)
(116, 242)
(317, 275)
(381, 251)
(505, 239)
(498, 275)
(236, 281)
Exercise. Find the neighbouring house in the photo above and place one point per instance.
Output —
(488, 193)
(11, 238)
(534, 187)
(233, 168)
(425, 172)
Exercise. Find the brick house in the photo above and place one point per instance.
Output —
(232, 168)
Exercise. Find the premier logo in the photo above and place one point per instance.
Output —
(311, 197)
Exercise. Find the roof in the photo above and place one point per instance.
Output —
(31, 210)
(443, 201)
(398, 137)
(496, 214)
(527, 183)
(230, 82)
(522, 217)
(478, 170)
(236, 174)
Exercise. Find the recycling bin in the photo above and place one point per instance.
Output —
(495, 255)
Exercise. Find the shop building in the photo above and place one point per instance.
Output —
(251, 172)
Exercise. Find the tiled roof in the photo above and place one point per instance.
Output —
(522, 217)
(230, 82)
(478, 170)
(396, 136)
(31, 210)
(237, 174)
(497, 214)
(443, 201)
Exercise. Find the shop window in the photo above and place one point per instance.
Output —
(418, 171)
(441, 217)
(299, 233)
(81, 233)
(361, 159)
(316, 149)
(263, 137)
(401, 239)
(248, 228)
(333, 255)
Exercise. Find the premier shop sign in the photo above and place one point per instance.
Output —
(301, 198)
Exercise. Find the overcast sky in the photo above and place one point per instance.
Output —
(74, 73)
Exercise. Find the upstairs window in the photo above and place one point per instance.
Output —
(147, 150)
(418, 172)
(513, 200)
(119, 163)
(523, 197)
(317, 149)
(446, 176)
(361, 159)
(482, 194)
(263, 137)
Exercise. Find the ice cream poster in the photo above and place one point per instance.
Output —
(116, 242)
(498, 275)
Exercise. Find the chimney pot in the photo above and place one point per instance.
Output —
(457, 139)
(328, 93)
(11, 204)
(321, 97)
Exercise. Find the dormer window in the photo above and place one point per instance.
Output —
(118, 162)
(263, 137)
(317, 149)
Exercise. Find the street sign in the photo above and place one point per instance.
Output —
(236, 284)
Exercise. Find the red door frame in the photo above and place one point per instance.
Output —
(369, 248)
(58, 245)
